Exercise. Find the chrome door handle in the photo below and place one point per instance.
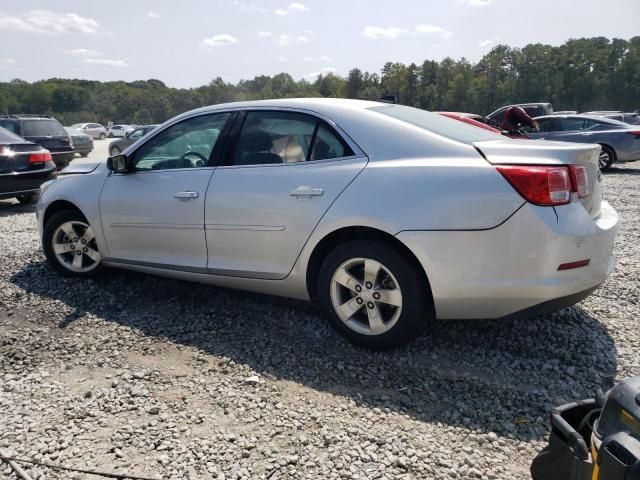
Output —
(186, 194)
(305, 191)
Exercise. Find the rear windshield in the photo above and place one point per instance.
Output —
(438, 124)
(36, 128)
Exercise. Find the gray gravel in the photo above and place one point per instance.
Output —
(157, 377)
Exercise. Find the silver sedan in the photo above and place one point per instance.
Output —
(388, 216)
(620, 141)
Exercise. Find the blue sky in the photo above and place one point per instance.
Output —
(188, 43)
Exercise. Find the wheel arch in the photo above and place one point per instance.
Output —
(346, 234)
(59, 206)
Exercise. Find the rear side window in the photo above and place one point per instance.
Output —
(438, 124)
(36, 128)
(569, 124)
(11, 126)
(272, 137)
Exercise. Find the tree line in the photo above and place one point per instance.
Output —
(581, 74)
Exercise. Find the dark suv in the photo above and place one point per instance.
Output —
(42, 130)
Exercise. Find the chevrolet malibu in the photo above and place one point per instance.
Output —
(388, 216)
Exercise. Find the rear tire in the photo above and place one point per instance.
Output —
(84, 154)
(373, 295)
(607, 158)
(69, 244)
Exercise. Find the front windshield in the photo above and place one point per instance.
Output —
(438, 124)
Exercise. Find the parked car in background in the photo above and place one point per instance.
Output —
(119, 130)
(630, 118)
(44, 130)
(96, 130)
(620, 142)
(117, 146)
(82, 143)
(389, 216)
(565, 112)
(24, 166)
(532, 109)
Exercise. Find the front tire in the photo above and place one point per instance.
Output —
(70, 246)
(607, 157)
(373, 295)
(102, 136)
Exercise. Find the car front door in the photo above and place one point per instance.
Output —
(154, 214)
(283, 171)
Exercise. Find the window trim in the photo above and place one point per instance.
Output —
(234, 136)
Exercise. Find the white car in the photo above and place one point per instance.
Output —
(119, 131)
(95, 130)
(388, 216)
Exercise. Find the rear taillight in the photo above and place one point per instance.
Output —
(580, 180)
(40, 157)
(635, 133)
(540, 185)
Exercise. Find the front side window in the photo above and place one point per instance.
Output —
(136, 134)
(269, 137)
(187, 144)
(545, 125)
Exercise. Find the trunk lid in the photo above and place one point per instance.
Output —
(543, 152)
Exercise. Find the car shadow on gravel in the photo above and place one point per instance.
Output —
(8, 208)
(500, 376)
(624, 170)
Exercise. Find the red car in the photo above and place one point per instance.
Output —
(478, 121)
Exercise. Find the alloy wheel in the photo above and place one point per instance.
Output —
(75, 247)
(603, 160)
(366, 296)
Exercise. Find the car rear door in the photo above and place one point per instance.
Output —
(282, 172)
(154, 214)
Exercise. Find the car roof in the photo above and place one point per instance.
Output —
(19, 116)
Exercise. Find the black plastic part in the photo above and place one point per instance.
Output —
(619, 457)
(567, 455)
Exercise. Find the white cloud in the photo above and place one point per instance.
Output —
(307, 59)
(83, 52)
(107, 62)
(485, 43)
(302, 39)
(477, 3)
(428, 29)
(153, 15)
(221, 40)
(6, 62)
(313, 75)
(325, 58)
(282, 59)
(249, 7)
(264, 34)
(376, 33)
(46, 22)
(284, 39)
(293, 7)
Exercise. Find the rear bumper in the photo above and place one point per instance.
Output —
(19, 183)
(514, 267)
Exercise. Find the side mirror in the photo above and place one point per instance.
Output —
(118, 164)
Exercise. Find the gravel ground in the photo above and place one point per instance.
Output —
(162, 378)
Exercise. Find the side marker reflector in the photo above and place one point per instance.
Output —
(571, 265)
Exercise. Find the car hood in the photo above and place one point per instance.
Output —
(79, 168)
